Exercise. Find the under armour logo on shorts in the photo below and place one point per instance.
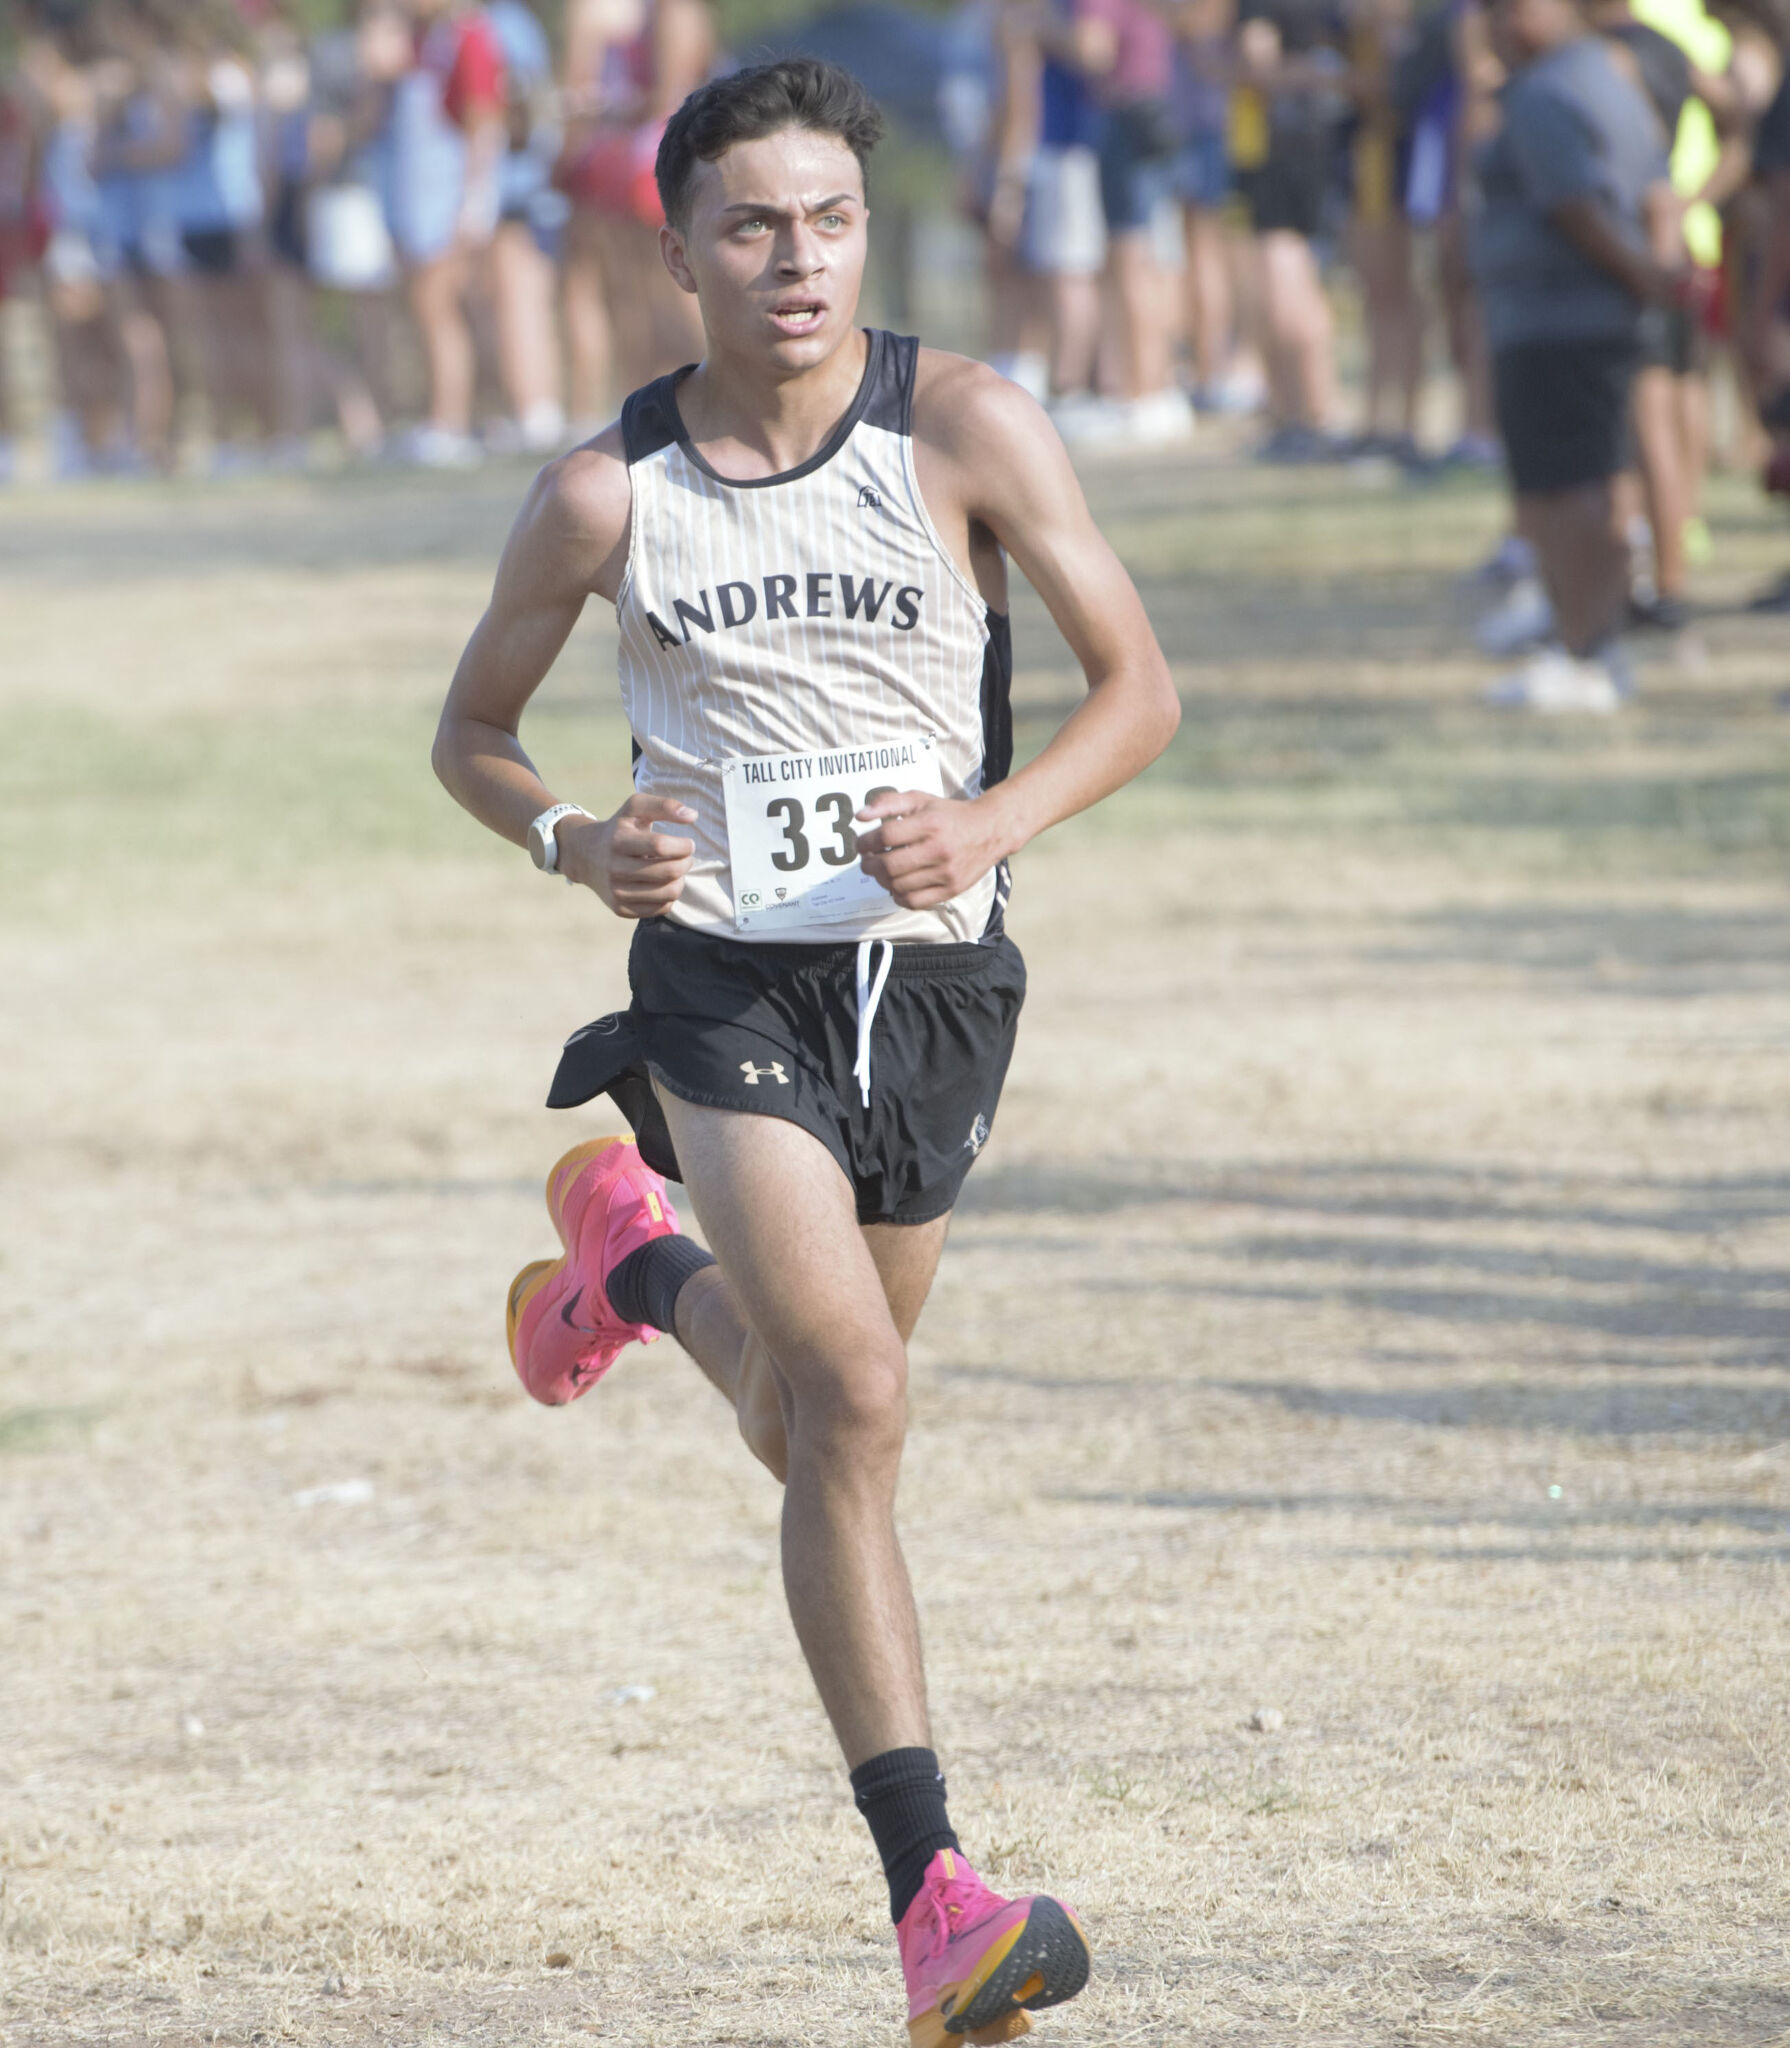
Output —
(755, 1074)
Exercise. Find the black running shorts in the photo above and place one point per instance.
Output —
(1286, 194)
(1563, 412)
(772, 1030)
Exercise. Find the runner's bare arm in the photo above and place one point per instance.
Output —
(989, 455)
(570, 542)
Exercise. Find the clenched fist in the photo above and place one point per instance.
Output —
(927, 849)
(630, 860)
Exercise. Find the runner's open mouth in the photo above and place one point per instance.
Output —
(796, 316)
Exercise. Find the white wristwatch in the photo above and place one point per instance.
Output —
(543, 840)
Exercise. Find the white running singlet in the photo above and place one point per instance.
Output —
(788, 643)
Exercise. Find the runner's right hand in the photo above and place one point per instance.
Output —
(630, 860)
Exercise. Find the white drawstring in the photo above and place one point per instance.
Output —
(870, 994)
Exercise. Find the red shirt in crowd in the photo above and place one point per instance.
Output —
(465, 55)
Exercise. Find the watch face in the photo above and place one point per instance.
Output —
(537, 846)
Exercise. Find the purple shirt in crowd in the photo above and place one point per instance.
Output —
(1144, 68)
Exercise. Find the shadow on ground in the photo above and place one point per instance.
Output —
(1411, 1190)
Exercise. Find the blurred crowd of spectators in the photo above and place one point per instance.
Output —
(1589, 200)
(228, 217)
(213, 204)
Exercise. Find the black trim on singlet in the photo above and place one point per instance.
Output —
(997, 744)
(649, 417)
(885, 398)
(997, 700)
(890, 403)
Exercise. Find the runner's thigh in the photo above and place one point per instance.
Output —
(782, 1220)
(907, 1257)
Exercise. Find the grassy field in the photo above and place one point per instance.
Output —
(1372, 1317)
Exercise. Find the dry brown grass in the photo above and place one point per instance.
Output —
(1375, 1308)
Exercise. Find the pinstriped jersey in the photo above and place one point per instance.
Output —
(812, 613)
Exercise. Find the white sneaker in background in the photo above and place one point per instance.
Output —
(432, 447)
(1612, 658)
(1552, 680)
(1521, 618)
(543, 428)
(1086, 421)
(1160, 420)
(1236, 393)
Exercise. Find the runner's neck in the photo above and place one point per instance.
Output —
(747, 422)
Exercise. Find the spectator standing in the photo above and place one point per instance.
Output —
(1738, 94)
(1380, 228)
(1454, 92)
(1764, 340)
(1668, 383)
(141, 142)
(1127, 49)
(57, 92)
(1202, 184)
(531, 216)
(446, 133)
(989, 110)
(1284, 123)
(24, 229)
(219, 208)
(1063, 239)
(606, 67)
(629, 64)
(283, 101)
(1562, 253)
(349, 254)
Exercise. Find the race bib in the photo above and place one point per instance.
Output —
(790, 838)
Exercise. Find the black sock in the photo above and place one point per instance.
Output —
(644, 1288)
(902, 1795)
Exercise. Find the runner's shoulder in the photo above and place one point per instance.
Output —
(971, 412)
(579, 506)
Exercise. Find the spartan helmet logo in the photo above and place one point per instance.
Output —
(755, 1074)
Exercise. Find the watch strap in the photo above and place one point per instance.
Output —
(544, 832)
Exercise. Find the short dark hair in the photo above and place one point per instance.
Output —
(795, 92)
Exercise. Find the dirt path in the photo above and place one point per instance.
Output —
(1374, 1309)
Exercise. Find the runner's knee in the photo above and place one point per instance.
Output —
(857, 1410)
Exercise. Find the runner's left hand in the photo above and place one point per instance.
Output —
(926, 849)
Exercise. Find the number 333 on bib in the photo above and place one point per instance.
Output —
(790, 838)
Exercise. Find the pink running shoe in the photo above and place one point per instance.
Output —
(605, 1202)
(973, 1959)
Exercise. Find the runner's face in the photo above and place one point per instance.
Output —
(775, 247)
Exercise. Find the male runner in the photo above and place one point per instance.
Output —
(804, 538)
